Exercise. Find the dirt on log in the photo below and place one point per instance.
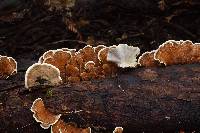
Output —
(164, 99)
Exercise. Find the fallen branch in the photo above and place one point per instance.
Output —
(144, 99)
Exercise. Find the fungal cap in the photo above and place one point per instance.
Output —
(62, 127)
(98, 48)
(72, 70)
(13, 63)
(178, 52)
(118, 130)
(147, 59)
(89, 65)
(102, 54)
(42, 115)
(46, 55)
(73, 51)
(8, 66)
(42, 74)
(58, 58)
(123, 55)
(87, 53)
(41, 59)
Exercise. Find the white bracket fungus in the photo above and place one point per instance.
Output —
(42, 74)
(123, 55)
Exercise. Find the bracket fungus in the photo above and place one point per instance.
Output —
(59, 59)
(42, 115)
(42, 74)
(91, 62)
(87, 53)
(102, 54)
(81, 65)
(46, 55)
(72, 73)
(123, 55)
(47, 119)
(62, 127)
(118, 130)
(89, 65)
(8, 67)
(147, 60)
(178, 52)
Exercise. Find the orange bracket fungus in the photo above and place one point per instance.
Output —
(42, 115)
(118, 130)
(108, 68)
(81, 65)
(90, 71)
(8, 67)
(46, 55)
(42, 74)
(91, 62)
(47, 119)
(101, 61)
(147, 60)
(87, 53)
(178, 52)
(62, 127)
(102, 54)
(89, 65)
(59, 59)
(72, 73)
(123, 55)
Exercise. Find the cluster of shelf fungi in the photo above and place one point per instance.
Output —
(59, 68)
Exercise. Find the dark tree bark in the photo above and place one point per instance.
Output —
(164, 99)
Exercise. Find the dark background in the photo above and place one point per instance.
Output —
(142, 23)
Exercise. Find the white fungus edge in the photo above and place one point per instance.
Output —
(36, 64)
(117, 128)
(148, 52)
(180, 42)
(57, 116)
(15, 70)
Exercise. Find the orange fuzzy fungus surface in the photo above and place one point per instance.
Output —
(47, 119)
(108, 68)
(8, 67)
(87, 53)
(84, 64)
(62, 127)
(102, 55)
(42, 115)
(46, 55)
(178, 52)
(59, 59)
(72, 73)
(147, 60)
(118, 130)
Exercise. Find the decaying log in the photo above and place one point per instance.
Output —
(164, 99)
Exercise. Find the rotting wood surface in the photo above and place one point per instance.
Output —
(165, 99)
